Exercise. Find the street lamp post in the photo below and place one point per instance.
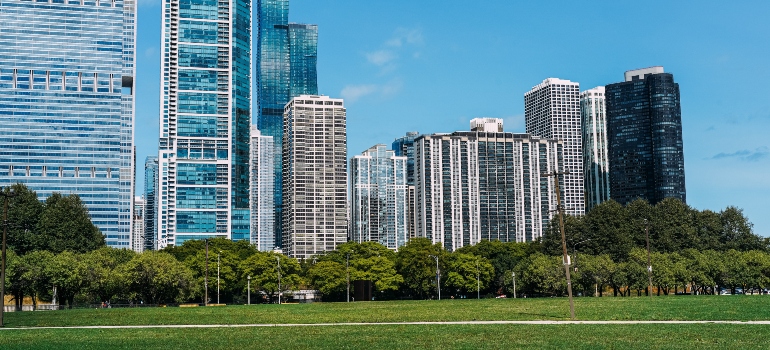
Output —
(206, 277)
(478, 281)
(438, 277)
(6, 196)
(248, 290)
(513, 276)
(278, 258)
(347, 271)
(218, 276)
(649, 260)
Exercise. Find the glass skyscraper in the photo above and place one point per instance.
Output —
(203, 160)
(378, 200)
(404, 147)
(286, 64)
(150, 202)
(261, 188)
(644, 134)
(67, 104)
(595, 165)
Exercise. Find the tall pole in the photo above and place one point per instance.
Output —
(218, 276)
(347, 271)
(2, 271)
(206, 278)
(279, 278)
(248, 290)
(478, 281)
(565, 257)
(513, 275)
(438, 277)
(649, 260)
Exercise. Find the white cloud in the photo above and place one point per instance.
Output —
(406, 36)
(353, 92)
(381, 57)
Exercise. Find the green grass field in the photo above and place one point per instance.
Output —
(408, 336)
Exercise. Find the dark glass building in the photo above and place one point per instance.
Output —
(286, 68)
(644, 135)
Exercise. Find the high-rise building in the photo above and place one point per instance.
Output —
(67, 105)
(286, 67)
(487, 124)
(205, 121)
(595, 165)
(315, 176)
(552, 111)
(474, 185)
(644, 134)
(137, 231)
(150, 202)
(261, 187)
(378, 198)
(404, 147)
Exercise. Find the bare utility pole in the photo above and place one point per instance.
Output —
(6, 196)
(566, 259)
(649, 260)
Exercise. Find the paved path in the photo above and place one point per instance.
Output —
(392, 324)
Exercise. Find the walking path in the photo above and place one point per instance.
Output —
(392, 324)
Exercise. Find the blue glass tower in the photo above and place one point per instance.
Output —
(150, 201)
(67, 106)
(203, 160)
(286, 64)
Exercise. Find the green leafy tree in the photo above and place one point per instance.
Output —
(608, 230)
(157, 277)
(503, 256)
(24, 212)
(102, 280)
(737, 232)
(329, 278)
(466, 272)
(38, 282)
(263, 267)
(544, 275)
(15, 283)
(417, 266)
(65, 271)
(65, 225)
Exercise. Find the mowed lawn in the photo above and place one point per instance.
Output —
(733, 307)
(431, 336)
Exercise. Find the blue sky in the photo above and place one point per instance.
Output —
(427, 66)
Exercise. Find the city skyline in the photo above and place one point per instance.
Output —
(408, 57)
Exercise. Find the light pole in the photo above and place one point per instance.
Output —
(565, 258)
(478, 281)
(248, 290)
(513, 276)
(347, 271)
(438, 277)
(649, 260)
(278, 258)
(206, 277)
(10, 193)
(218, 276)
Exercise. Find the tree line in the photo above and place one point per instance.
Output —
(692, 252)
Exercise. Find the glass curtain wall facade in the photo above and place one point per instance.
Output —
(315, 188)
(261, 186)
(484, 185)
(552, 111)
(595, 164)
(404, 147)
(150, 202)
(286, 68)
(67, 107)
(644, 134)
(205, 121)
(379, 198)
(137, 233)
